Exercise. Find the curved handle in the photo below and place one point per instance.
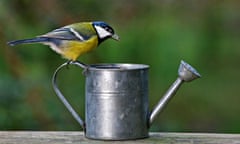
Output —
(61, 96)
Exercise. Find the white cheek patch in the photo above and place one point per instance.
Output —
(102, 33)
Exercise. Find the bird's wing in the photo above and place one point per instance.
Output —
(65, 34)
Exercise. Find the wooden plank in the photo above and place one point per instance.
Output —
(30, 137)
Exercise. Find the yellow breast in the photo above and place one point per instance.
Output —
(73, 49)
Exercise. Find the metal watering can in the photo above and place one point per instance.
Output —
(116, 103)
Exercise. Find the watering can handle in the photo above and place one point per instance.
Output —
(61, 96)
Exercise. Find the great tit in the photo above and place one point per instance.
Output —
(73, 40)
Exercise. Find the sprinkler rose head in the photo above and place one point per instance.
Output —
(187, 73)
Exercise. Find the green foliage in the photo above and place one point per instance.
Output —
(158, 33)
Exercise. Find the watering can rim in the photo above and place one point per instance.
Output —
(113, 66)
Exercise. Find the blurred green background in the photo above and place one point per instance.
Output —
(160, 33)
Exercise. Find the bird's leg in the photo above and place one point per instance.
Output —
(86, 67)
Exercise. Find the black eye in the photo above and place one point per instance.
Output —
(108, 29)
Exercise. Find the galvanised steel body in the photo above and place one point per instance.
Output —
(116, 106)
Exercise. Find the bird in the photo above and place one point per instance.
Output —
(74, 40)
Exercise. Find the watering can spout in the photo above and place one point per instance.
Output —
(186, 73)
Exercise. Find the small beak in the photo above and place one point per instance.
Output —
(115, 37)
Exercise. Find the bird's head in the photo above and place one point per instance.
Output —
(104, 31)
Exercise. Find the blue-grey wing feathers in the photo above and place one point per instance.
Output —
(63, 34)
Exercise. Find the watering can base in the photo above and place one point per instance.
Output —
(115, 138)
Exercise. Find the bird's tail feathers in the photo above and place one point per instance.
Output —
(28, 41)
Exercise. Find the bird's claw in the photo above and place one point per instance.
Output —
(84, 66)
(84, 72)
(69, 63)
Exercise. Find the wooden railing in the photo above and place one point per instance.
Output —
(32, 137)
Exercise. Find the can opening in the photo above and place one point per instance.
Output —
(106, 67)
(118, 66)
